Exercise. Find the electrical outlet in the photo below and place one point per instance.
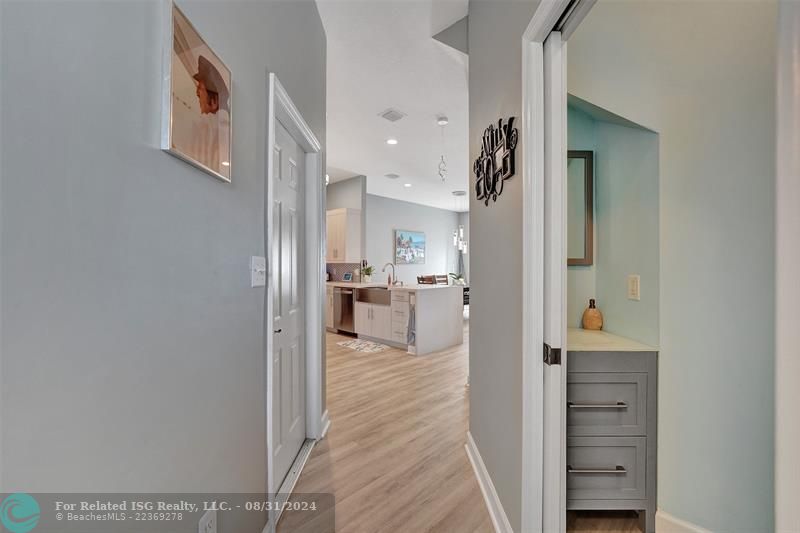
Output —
(633, 287)
(208, 522)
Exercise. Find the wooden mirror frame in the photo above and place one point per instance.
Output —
(588, 183)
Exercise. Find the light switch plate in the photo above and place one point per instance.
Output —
(634, 283)
(258, 271)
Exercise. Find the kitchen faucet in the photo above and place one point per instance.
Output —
(392, 279)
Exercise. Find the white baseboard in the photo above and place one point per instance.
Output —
(666, 523)
(493, 505)
(325, 424)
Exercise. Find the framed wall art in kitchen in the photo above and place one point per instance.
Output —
(409, 247)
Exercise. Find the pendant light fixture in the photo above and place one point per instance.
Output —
(442, 121)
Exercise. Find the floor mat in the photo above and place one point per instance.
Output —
(360, 345)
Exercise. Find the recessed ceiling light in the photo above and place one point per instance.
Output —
(391, 141)
(406, 185)
(226, 163)
(459, 193)
(392, 176)
(442, 120)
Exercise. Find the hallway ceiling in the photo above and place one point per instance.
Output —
(381, 55)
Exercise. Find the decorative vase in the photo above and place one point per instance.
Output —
(592, 317)
(366, 279)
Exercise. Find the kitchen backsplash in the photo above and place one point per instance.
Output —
(337, 270)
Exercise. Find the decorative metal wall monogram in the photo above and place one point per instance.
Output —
(496, 162)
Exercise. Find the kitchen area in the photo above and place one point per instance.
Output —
(416, 301)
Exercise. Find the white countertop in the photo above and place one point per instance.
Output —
(584, 340)
(354, 285)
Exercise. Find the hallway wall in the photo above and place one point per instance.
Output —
(495, 351)
(702, 74)
(132, 346)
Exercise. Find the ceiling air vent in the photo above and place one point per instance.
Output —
(392, 115)
(392, 176)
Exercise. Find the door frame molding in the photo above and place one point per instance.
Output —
(543, 410)
(281, 108)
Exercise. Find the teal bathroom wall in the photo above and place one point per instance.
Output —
(580, 279)
(626, 223)
(626, 203)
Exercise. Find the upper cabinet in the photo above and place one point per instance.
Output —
(344, 236)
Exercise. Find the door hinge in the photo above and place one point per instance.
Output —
(552, 356)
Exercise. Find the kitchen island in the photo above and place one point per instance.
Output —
(418, 318)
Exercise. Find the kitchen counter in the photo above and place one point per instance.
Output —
(584, 340)
(421, 319)
(354, 285)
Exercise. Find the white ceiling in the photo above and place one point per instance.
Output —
(381, 55)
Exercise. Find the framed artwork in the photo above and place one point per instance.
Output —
(409, 247)
(196, 99)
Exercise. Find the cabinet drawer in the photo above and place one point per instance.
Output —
(399, 333)
(399, 314)
(606, 403)
(606, 468)
(399, 296)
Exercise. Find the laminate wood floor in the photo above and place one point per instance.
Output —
(605, 521)
(394, 456)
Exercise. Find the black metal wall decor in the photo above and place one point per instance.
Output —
(496, 161)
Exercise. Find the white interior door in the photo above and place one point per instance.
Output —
(288, 353)
(555, 283)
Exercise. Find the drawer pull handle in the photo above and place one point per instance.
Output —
(616, 470)
(597, 405)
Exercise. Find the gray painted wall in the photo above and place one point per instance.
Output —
(384, 215)
(132, 345)
(350, 193)
(495, 351)
(702, 74)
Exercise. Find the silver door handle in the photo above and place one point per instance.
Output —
(277, 330)
(597, 405)
(616, 470)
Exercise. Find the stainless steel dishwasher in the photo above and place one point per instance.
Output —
(343, 309)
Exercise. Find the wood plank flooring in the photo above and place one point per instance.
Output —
(605, 521)
(394, 457)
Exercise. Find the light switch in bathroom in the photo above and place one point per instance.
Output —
(633, 287)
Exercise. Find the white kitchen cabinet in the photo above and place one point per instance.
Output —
(329, 307)
(343, 236)
(363, 319)
(373, 320)
(382, 322)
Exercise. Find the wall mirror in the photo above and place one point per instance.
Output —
(580, 207)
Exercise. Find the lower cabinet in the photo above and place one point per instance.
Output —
(611, 431)
(373, 320)
(329, 307)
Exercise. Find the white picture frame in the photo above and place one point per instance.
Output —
(197, 86)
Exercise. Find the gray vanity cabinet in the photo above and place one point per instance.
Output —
(611, 431)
